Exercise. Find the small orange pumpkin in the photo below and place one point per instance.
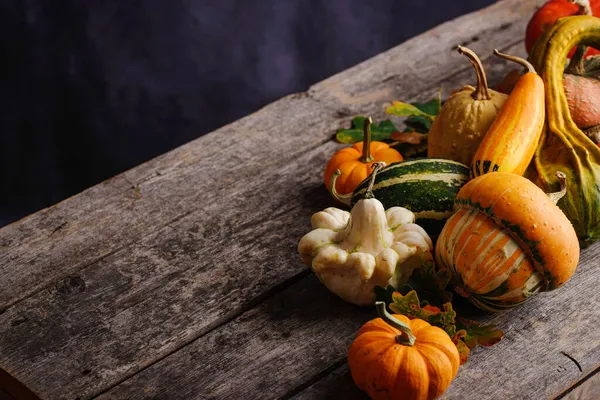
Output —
(355, 163)
(394, 357)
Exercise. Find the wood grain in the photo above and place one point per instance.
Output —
(535, 359)
(589, 389)
(132, 284)
(263, 354)
(61, 240)
(151, 298)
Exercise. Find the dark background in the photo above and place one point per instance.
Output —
(92, 88)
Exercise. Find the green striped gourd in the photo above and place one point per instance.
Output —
(427, 187)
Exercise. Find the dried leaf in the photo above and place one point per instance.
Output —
(465, 334)
(410, 137)
(463, 351)
(412, 150)
(410, 306)
(477, 334)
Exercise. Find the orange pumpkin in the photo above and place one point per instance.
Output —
(355, 163)
(394, 357)
(507, 241)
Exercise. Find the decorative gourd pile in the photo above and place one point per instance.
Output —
(499, 237)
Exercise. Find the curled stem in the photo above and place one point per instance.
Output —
(482, 92)
(516, 59)
(556, 196)
(342, 198)
(593, 133)
(378, 166)
(584, 6)
(576, 64)
(406, 337)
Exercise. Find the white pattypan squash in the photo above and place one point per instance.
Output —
(352, 252)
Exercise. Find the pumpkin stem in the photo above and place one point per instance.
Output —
(342, 198)
(378, 166)
(576, 66)
(407, 337)
(562, 178)
(584, 6)
(516, 59)
(482, 92)
(366, 154)
(593, 133)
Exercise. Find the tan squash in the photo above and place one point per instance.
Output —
(465, 117)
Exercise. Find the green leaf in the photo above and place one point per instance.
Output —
(379, 133)
(428, 110)
(420, 115)
(477, 334)
(401, 109)
(418, 124)
(432, 107)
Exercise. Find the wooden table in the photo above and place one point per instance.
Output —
(180, 278)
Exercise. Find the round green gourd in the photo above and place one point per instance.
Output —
(426, 186)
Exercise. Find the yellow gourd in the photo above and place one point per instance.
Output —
(465, 118)
(510, 143)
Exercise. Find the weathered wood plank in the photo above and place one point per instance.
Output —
(149, 299)
(589, 389)
(262, 354)
(535, 360)
(337, 385)
(61, 240)
(130, 305)
(301, 333)
(11, 389)
(49, 245)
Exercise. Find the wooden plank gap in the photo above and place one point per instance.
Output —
(51, 284)
(309, 382)
(12, 389)
(585, 379)
(220, 322)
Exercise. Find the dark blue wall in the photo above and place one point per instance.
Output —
(92, 88)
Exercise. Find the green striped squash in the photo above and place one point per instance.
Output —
(426, 186)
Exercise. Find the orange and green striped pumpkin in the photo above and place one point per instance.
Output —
(506, 242)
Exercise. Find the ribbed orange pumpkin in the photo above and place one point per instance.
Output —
(394, 357)
(507, 241)
(356, 162)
